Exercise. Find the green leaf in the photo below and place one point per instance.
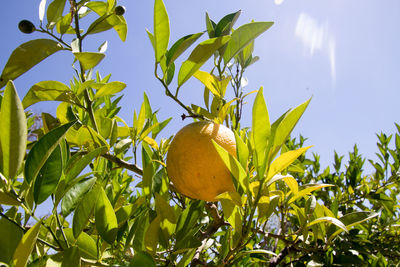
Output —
(224, 26)
(11, 235)
(242, 151)
(310, 188)
(13, 132)
(42, 149)
(161, 29)
(233, 165)
(164, 209)
(231, 210)
(7, 198)
(89, 60)
(54, 12)
(86, 244)
(266, 206)
(242, 36)
(284, 160)
(85, 210)
(74, 195)
(151, 237)
(181, 45)
(48, 177)
(188, 219)
(199, 56)
(141, 259)
(210, 26)
(49, 91)
(97, 6)
(25, 246)
(352, 219)
(106, 221)
(64, 24)
(286, 124)
(74, 170)
(108, 21)
(110, 89)
(27, 55)
(124, 213)
(71, 257)
(329, 220)
(210, 81)
(261, 127)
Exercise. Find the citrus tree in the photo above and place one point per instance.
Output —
(237, 202)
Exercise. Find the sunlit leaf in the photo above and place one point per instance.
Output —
(306, 191)
(284, 160)
(89, 60)
(224, 26)
(209, 80)
(181, 45)
(242, 36)
(26, 56)
(49, 91)
(332, 220)
(260, 127)
(199, 56)
(25, 246)
(151, 237)
(54, 12)
(233, 165)
(110, 89)
(283, 127)
(142, 258)
(161, 29)
(13, 132)
(352, 219)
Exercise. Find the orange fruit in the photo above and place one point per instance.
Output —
(193, 164)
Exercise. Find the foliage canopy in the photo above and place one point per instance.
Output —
(109, 210)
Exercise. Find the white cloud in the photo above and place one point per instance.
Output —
(316, 36)
(278, 2)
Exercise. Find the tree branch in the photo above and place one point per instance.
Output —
(124, 164)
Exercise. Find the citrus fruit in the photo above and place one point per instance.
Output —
(26, 26)
(193, 164)
(120, 10)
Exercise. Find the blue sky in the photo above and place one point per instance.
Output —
(345, 54)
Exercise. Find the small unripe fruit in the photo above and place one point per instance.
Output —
(26, 26)
(120, 10)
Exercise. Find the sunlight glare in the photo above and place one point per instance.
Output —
(315, 36)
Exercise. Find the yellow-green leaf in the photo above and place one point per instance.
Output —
(161, 29)
(27, 55)
(89, 59)
(25, 246)
(151, 237)
(106, 221)
(110, 89)
(13, 132)
(200, 54)
(284, 160)
(307, 190)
